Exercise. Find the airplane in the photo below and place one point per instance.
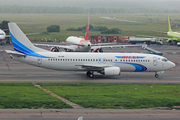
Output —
(118, 19)
(172, 37)
(104, 63)
(3, 36)
(171, 34)
(77, 44)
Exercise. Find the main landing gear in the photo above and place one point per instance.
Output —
(90, 74)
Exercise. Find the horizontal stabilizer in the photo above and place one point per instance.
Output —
(15, 53)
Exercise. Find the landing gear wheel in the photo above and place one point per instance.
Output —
(100, 50)
(156, 75)
(88, 73)
(91, 75)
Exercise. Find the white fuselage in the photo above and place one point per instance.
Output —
(127, 62)
(86, 44)
(2, 35)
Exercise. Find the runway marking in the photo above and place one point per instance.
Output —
(60, 113)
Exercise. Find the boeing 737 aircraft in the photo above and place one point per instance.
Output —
(104, 63)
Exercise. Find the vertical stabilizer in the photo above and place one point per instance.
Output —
(169, 25)
(20, 42)
(87, 30)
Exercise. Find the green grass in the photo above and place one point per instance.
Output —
(26, 95)
(128, 96)
(37, 23)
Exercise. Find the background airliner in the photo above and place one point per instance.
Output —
(104, 63)
(118, 19)
(3, 36)
(77, 44)
(173, 37)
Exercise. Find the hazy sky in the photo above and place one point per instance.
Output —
(166, 4)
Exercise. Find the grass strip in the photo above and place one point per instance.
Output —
(128, 96)
(26, 95)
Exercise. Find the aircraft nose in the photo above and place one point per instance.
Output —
(171, 64)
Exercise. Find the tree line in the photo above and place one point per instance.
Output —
(103, 29)
(79, 10)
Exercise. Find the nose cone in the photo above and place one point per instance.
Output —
(2, 35)
(88, 43)
(171, 65)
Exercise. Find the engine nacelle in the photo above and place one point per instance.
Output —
(97, 50)
(112, 71)
(54, 49)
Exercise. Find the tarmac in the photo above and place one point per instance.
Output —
(89, 114)
(14, 71)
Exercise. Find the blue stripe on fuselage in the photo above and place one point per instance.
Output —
(19, 47)
(138, 67)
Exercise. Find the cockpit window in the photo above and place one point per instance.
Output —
(165, 60)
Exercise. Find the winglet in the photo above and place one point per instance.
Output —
(169, 25)
(87, 30)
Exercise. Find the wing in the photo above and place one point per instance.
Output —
(8, 36)
(118, 19)
(32, 34)
(159, 31)
(59, 46)
(153, 36)
(90, 67)
(15, 53)
(117, 46)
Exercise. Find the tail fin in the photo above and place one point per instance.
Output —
(87, 30)
(21, 43)
(169, 25)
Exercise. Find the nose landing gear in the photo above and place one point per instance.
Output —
(156, 75)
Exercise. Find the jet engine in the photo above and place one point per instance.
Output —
(97, 50)
(54, 49)
(112, 71)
